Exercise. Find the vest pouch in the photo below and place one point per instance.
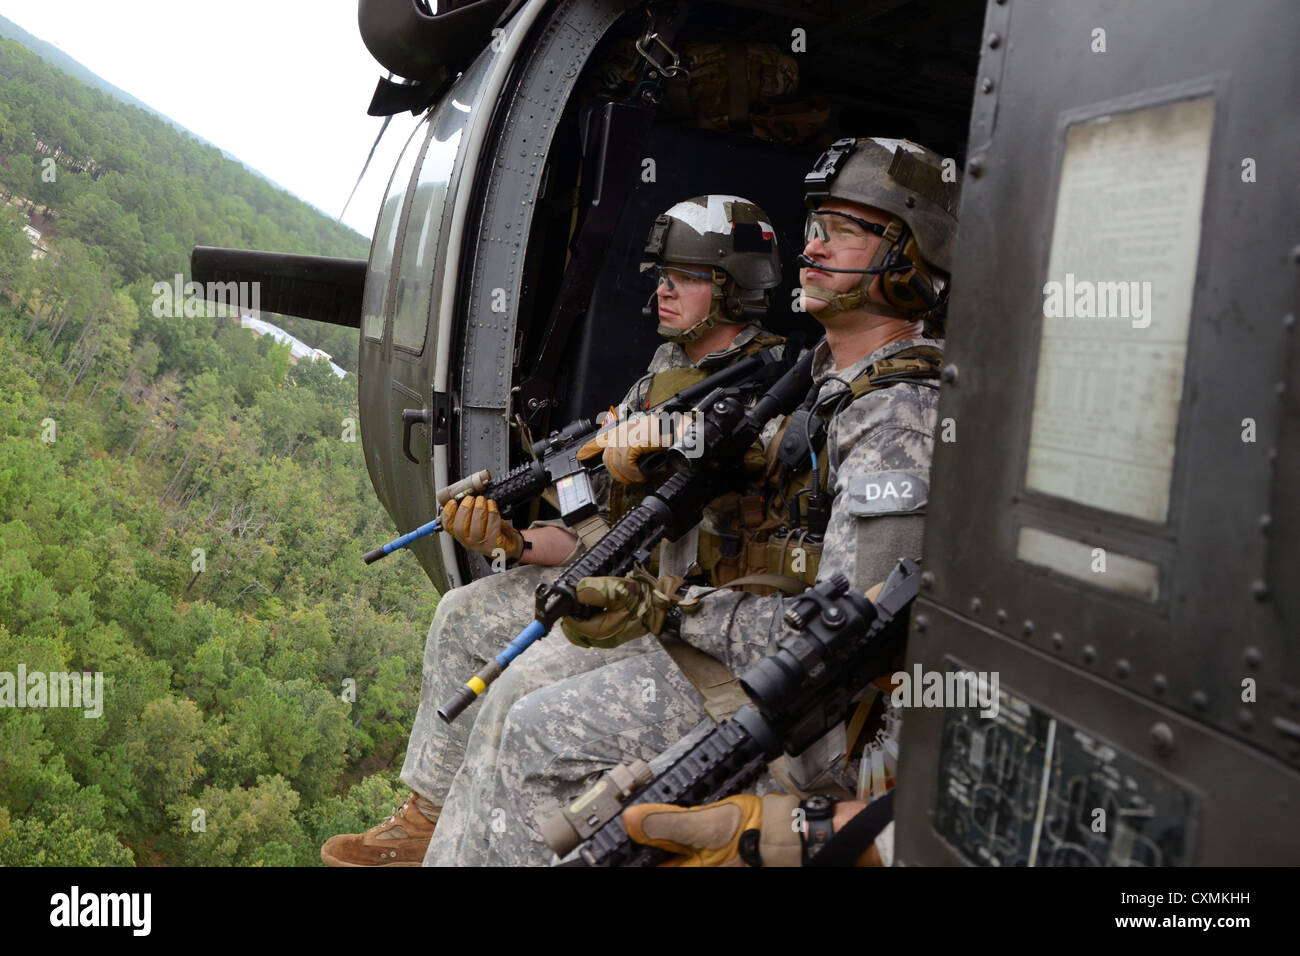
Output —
(791, 554)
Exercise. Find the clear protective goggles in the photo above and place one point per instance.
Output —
(839, 230)
(661, 274)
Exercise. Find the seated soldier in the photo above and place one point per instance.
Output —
(879, 236)
(716, 260)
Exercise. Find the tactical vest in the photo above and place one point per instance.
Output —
(768, 555)
(766, 542)
(663, 386)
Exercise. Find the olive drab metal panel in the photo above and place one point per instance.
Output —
(527, 116)
(1113, 542)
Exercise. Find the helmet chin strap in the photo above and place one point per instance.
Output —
(686, 336)
(715, 316)
(836, 302)
(682, 336)
(855, 298)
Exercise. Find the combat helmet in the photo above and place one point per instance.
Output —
(919, 192)
(735, 239)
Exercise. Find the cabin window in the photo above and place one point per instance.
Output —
(385, 242)
(424, 225)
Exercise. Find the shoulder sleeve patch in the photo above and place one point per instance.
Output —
(887, 492)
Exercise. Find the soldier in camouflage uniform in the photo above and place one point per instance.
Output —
(716, 260)
(878, 251)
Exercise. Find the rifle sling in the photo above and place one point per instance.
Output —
(719, 687)
(853, 839)
(591, 530)
(716, 684)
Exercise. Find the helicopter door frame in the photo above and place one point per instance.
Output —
(493, 210)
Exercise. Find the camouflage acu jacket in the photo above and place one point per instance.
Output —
(879, 450)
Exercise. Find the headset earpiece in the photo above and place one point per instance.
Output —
(753, 306)
(909, 287)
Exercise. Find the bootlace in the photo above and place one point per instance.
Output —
(394, 815)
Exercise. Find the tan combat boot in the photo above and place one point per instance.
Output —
(399, 841)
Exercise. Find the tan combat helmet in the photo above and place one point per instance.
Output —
(736, 240)
(907, 181)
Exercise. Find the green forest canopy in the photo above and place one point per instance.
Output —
(183, 511)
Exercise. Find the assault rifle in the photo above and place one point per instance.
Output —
(555, 458)
(718, 437)
(836, 641)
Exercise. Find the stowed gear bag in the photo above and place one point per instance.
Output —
(736, 87)
(747, 88)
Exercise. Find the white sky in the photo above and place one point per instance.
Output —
(281, 84)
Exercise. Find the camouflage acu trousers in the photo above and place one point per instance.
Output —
(554, 742)
(559, 739)
(449, 763)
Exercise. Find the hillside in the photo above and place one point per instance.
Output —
(61, 61)
(140, 194)
(182, 514)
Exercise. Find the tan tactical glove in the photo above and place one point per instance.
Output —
(476, 523)
(710, 835)
(629, 608)
(624, 444)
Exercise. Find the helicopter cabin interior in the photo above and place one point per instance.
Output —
(771, 88)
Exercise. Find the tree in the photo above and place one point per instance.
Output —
(15, 250)
(230, 827)
(164, 748)
(67, 839)
(222, 673)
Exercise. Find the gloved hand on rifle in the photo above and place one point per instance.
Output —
(624, 444)
(711, 835)
(476, 523)
(629, 607)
